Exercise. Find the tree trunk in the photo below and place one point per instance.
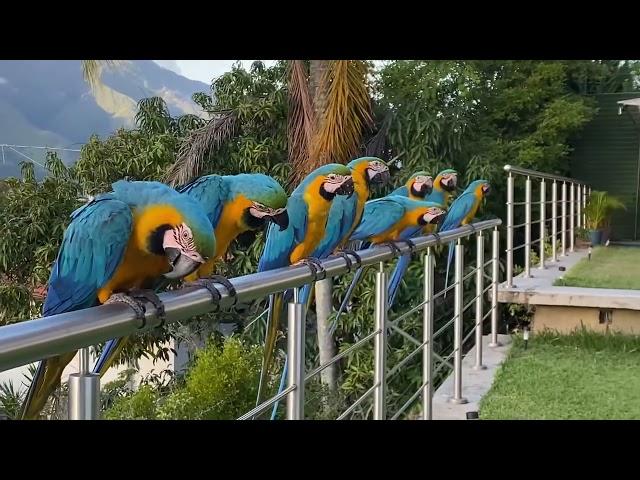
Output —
(326, 344)
(324, 303)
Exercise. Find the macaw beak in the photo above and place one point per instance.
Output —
(450, 183)
(423, 188)
(347, 188)
(486, 189)
(281, 219)
(181, 265)
(181, 262)
(379, 176)
(434, 218)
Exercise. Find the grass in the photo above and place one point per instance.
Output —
(609, 267)
(584, 375)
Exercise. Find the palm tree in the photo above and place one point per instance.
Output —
(329, 108)
(92, 70)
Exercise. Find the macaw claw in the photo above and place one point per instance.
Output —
(315, 266)
(410, 244)
(209, 284)
(394, 248)
(137, 299)
(344, 253)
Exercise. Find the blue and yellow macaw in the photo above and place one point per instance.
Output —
(344, 216)
(419, 185)
(462, 212)
(443, 187)
(308, 208)
(234, 205)
(115, 246)
(390, 219)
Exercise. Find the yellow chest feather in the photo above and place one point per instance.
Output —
(138, 265)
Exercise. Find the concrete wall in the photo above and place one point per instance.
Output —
(566, 319)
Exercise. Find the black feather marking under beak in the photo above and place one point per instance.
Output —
(347, 188)
(281, 219)
(381, 177)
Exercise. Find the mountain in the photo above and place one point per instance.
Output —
(48, 103)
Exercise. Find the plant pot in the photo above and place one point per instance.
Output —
(595, 236)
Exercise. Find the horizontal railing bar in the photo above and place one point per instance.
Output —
(536, 174)
(341, 355)
(410, 401)
(266, 404)
(397, 320)
(444, 327)
(405, 360)
(357, 402)
(29, 341)
(445, 362)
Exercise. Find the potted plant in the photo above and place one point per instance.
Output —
(598, 215)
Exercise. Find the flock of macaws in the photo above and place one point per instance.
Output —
(121, 245)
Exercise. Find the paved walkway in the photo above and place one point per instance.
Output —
(475, 383)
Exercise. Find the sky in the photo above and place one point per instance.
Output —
(203, 70)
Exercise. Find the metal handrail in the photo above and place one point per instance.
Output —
(534, 173)
(572, 203)
(30, 341)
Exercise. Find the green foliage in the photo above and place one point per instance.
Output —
(599, 209)
(139, 406)
(221, 385)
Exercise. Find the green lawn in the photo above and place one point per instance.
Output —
(609, 267)
(580, 376)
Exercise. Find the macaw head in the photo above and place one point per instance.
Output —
(481, 188)
(170, 225)
(268, 200)
(447, 180)
(186, 243)
(329, 180)
(420, 184)
(432, 214)
(373, 169)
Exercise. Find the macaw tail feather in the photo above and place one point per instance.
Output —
(396, 277)
(273, 322)
(109, 353)
(449, 259)
(283, 383)
(45, 381)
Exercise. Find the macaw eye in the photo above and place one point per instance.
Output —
(331, 176)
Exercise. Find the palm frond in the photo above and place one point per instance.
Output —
(198, 144)
(346, 114)
(92, 70)
(300, 120)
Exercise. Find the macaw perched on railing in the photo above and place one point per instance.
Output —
(234, 205)
(116, 245)
(443, 187)
(344, 216)
(419, 185)
(390, 219)
(462, 212)
(308, 208)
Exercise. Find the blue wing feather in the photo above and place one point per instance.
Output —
(340, 222)
(460, 208)
(211, 192)
(379, 216)
(92, 248)
(280, 244)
